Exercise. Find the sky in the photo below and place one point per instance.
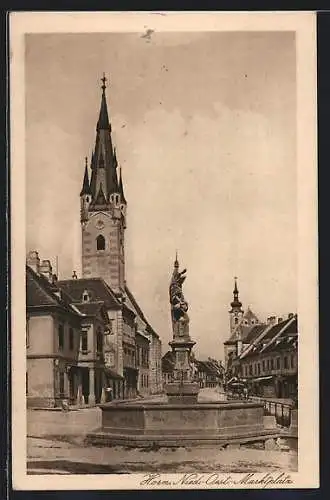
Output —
(205, 130)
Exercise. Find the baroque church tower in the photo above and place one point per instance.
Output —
(236, 312)
(103, 209)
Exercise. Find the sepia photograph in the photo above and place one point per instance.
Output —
(164, 235)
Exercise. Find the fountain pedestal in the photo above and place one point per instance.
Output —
(182, 389)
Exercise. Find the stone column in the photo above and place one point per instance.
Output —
(80, 400)
(102, 382)
(91, 397)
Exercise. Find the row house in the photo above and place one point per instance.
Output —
(268, 360)
(207, 373)
(52, 340)
(153, 384)
(82, 341)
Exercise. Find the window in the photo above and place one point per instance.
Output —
(60, 337)
(236, 321)
(147, 380)
(278, 363)
(286, 364)
(27, 383)
(264, 365)
(27, 333)
(71, 339)
(61, 384)
(85, 296)
(99, 341)
(250, 370)
(84, 341)
(100, 242)
(292, 360)
(272, 363)
(259, 368)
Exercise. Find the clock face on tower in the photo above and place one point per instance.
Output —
(99, 224)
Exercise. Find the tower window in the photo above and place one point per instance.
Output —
(60, 337)
(84, 341)
(99, 341)
(236, 321)
(71, 339)
(100, 242)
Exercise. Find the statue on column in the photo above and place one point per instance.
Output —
(179, 306)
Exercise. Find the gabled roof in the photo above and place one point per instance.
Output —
(168, 362)
(98, 288)
(266, 341)
(139, 311)
(245, 330)
(285, 330)
(254, 332)
(207, 367)
(41, 293)
(94, 309)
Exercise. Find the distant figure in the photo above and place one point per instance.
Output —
(245, 392)
(108, 394)
(64, 405)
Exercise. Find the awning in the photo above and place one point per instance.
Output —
(233, 379)
(112, 374)
(259, 379)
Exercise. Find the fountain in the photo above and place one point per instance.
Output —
(182, 420)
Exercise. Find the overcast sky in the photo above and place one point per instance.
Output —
(204, 125)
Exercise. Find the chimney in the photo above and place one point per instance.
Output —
(33, 261)
(290, 315)
(74, 275)
(279, 320)
(271, 320)
(46, 270)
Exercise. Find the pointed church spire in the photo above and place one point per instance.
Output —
(104, 161)
(100, 199)
(236, 303)
(121, 188)
(103, 121)
(85, 187)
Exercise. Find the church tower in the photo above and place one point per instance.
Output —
(236, 312)
(103, 209)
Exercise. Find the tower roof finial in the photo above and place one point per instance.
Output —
(85, 186)
(236, 303)
(103, 80)
(176, 262)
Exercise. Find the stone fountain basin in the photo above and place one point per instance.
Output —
(164, 424)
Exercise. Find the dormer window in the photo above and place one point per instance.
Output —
(85, 296)
(100, 242)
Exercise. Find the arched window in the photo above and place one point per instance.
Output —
(100, 242)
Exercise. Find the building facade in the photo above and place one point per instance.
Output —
(52, 338)
(99, 303)
(263, 355)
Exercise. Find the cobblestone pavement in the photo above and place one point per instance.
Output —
(49, 456)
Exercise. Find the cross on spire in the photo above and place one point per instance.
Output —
(104, 80)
